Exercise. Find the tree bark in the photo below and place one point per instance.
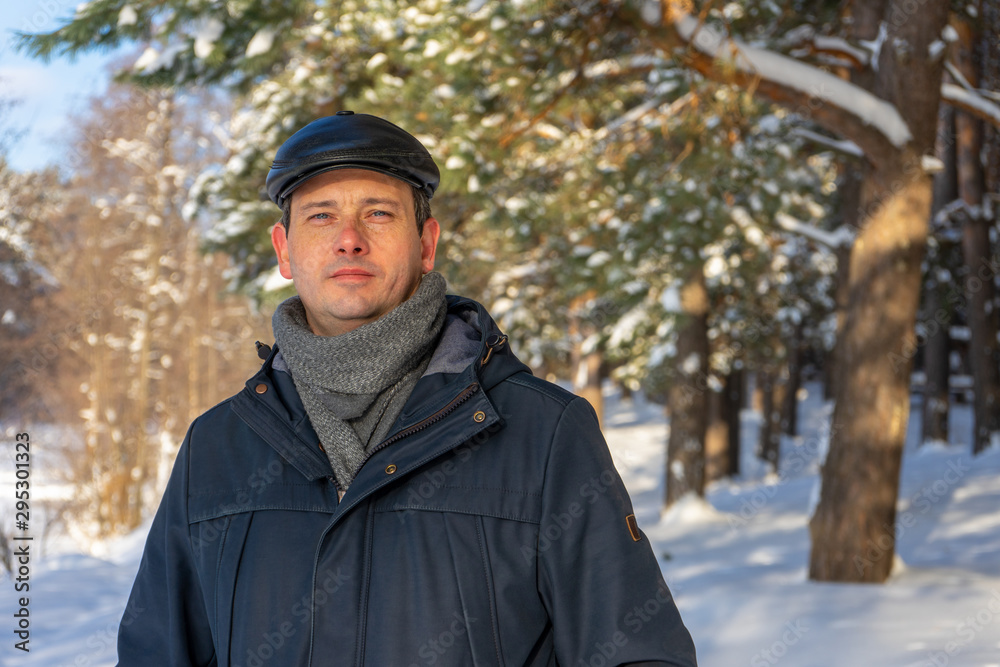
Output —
(716, 437)
(687, 400)
(852, 530)
(851, 541)
(937, 317)
(984, 351)
(790, 399)
(734, 398)
(936, 370)
(589, 376)
(864, 26)
(588, 367)
(989, 11)
(769, 442)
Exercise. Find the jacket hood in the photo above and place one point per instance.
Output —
(471, 338)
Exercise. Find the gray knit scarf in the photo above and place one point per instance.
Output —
(354, 385)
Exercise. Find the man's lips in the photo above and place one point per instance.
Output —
(352, 272)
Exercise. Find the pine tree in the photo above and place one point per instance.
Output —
(586, 171)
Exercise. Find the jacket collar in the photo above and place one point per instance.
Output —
(472, 352)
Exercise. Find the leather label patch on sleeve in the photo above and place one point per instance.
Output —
(633, 527)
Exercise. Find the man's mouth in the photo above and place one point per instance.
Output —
(349, 272)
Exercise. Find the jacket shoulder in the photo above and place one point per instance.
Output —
(219, 413)
(539, 386)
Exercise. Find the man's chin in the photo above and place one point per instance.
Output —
(341, 319)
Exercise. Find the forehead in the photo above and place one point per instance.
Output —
(346, 186)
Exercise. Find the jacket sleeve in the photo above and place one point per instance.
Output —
(165, 621)
(606, 597)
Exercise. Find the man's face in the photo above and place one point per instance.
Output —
(353, 248)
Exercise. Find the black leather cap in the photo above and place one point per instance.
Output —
(350, 140)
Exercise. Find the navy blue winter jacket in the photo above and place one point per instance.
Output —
(491, 528)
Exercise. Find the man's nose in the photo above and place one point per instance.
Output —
(351, 239)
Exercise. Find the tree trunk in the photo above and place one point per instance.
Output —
(765, 438)
(734, 398)
(864, 26)
(853, 536)
(936, 370)
(850, 193)
(984, 352)
(989, 11)
(937, 313)
(852, 532)
(587, 384)
(773, 394)
(717, 463)
(686, 397)
(790, 399)
(588, 367)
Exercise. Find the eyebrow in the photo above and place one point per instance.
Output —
(368, 201)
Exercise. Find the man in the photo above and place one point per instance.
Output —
(394, 487)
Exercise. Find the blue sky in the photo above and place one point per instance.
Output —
(49, 93)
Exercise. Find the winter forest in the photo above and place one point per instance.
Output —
(760, 238)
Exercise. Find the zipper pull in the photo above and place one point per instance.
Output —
(494, 342)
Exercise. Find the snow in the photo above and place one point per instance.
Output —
(260, 43)
(736, 561)
(127, 16)
(841, 145)
(814, 82)
(875, 46)
(624, 329)
(209, 31)
(152, 60)
(931, 164)
(737, 566)
(670, 299)
(841, 45)
(936, 48)
(691, 364)
(842, 236)
(971, 101)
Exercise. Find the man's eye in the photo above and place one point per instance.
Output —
(320, 216)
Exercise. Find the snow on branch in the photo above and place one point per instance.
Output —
(957, 75)
(971, 102)
(842, 48)
(845, 109)
(840, 145)
(804, 80)
(804, 41)
(842, 237)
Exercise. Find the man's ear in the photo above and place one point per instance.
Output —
(279, 240)
(428, 244)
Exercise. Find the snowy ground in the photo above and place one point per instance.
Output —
(737, 565)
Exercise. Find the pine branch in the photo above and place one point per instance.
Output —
(873, 124)
(972, 102)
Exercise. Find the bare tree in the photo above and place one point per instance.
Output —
(159, 335)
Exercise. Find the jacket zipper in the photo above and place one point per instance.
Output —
(416, 428)
(465, 395)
